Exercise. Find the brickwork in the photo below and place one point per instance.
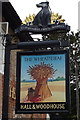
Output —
(11, 112)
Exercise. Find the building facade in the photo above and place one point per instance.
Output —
(10, 21)
(7, 26)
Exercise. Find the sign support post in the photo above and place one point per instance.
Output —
(6, 84)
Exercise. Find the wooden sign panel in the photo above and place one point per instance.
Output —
(42, 82)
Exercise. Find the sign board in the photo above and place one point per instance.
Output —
(42, 82)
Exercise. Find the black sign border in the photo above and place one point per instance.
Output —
(67, 103)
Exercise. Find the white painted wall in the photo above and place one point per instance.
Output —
(3, 30)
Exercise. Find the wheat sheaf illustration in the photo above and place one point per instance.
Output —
(41, 72)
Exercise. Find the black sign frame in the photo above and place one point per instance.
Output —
(55, 107)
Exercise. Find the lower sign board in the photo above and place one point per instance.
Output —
(42, 82)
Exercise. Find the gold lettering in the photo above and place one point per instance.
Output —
(12, 93)
(21, 106)
(25, 106)
(43, 106)
(37, 106)
(63, 106)
(33, 106)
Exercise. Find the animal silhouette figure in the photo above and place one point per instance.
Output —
(43, 18)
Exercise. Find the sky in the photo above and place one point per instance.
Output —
(67, 8)
(57, 61)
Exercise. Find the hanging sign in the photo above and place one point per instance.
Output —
(42, 82)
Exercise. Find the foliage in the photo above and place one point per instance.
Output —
(74, 49)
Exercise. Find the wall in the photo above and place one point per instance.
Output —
(12, 100)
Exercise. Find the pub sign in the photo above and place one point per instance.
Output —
(42, 82)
